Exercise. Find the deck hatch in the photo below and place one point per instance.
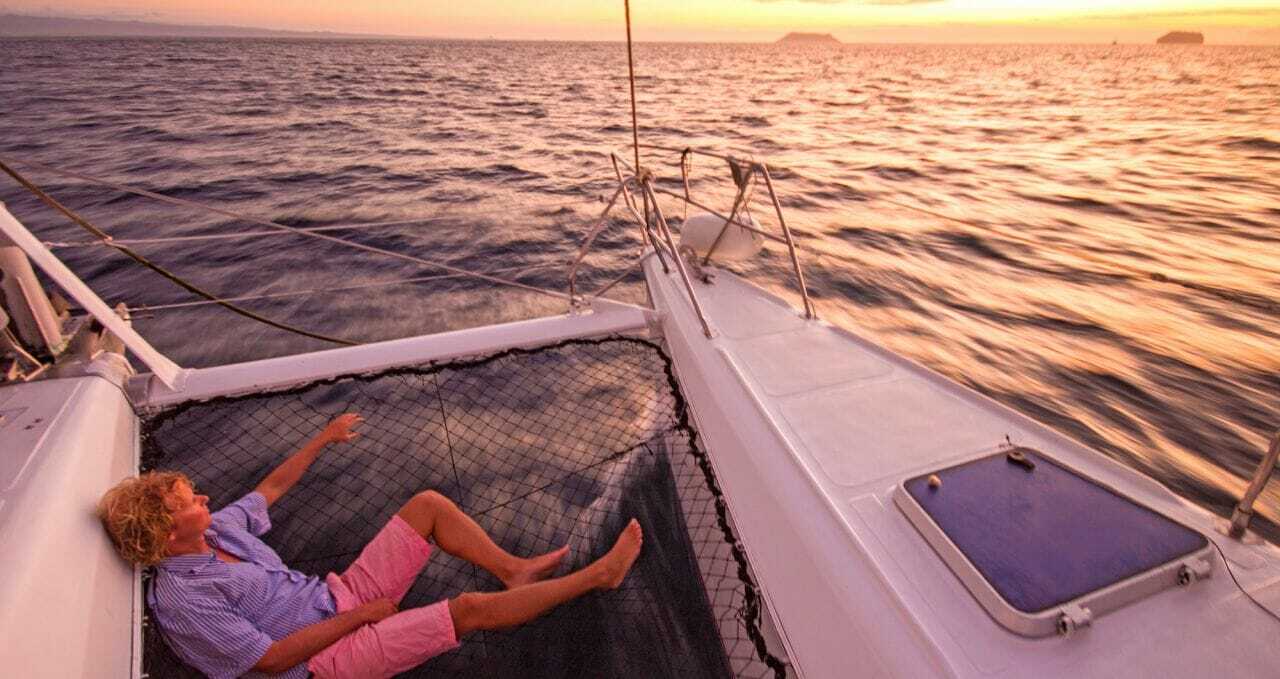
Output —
(1033, 539)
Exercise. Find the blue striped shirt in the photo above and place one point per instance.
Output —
(220, 617)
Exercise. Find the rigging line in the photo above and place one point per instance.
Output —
(145, 308)
(282, 227)
(631, 77)
(225, 236)
(634, 265)
(80, 221)
(774, 166)
(314, 229)
(870, 197)
(1227, 565)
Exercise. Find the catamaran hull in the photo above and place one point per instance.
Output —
(812, 430)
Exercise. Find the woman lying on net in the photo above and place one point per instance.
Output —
(229, 606)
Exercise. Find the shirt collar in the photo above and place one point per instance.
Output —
(191, 563)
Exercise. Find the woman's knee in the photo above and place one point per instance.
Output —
(430, 499)
(422, 509)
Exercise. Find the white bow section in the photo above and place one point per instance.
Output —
(165, 370)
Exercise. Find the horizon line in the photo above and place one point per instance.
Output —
(329, 34)
(374, 37)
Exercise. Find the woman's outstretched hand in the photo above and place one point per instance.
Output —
(282, 478)
(340, 430)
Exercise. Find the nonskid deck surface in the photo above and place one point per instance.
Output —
(811, 429)
(543, 447)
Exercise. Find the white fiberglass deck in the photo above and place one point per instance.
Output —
(68, 604)
(810, 429)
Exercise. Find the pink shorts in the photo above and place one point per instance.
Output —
(386, 569)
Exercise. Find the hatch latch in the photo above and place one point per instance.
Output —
(1072, 618)
(1193, 570)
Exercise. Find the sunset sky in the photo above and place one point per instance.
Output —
(1228, 21)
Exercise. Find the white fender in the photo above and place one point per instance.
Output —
(701, 230)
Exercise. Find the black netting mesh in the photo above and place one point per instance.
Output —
(542, 447)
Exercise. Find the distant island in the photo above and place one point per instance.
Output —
(23, 25)
(1181, 38)
(810, 38)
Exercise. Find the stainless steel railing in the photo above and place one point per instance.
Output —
(1243, 512)
(742, 197)
(656, 231)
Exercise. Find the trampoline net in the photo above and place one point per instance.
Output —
(542, 447)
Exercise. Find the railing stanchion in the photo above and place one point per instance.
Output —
(645, 234)
(652, 241)
(1243, 512)
(686, 168)
(675, 254)
(791, 245)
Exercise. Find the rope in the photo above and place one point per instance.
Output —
(57, 245)
(266, 234)
(623, 276)
(147, 308)
(106, 239)
(291, 229)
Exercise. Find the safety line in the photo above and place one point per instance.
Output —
(80, 221)
(282, 227)
(146, 308)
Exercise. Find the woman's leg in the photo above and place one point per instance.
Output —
(497, 610)
(411, 637)
(436, 517)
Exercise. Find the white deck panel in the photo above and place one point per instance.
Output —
(879, 431)
(744, 317)
(67, 601)
(826, 361)
(809, 429)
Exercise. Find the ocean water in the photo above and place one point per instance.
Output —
(1088, 234)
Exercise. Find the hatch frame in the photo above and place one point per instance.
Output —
(1069, 616)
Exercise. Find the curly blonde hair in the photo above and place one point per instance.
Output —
(137, 518)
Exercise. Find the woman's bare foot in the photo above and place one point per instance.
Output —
(613, 567)
(536, 568)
